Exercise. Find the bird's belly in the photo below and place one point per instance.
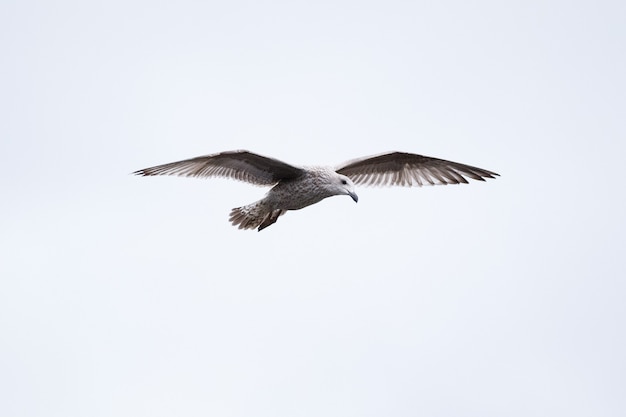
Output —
(298, 202)
(294, 198)
(296, 195)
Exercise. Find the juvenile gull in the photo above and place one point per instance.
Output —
(296, 187)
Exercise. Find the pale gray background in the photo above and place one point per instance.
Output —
(128, 296)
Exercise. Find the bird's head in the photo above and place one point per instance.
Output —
(344, 185)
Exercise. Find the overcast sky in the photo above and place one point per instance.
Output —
(130, 296)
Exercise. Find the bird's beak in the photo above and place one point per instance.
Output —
(354, 196)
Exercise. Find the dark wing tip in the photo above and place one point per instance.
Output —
(146, 172)
(489, 174)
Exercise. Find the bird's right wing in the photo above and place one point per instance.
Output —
(407, 169)
(239, 165)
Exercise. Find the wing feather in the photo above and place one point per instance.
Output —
(239, 165)
(407, 170)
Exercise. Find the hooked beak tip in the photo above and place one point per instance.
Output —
(354, 197)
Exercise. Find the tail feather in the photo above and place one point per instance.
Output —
(255, 215)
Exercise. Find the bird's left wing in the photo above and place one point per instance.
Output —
(407, 169)
(239, 165)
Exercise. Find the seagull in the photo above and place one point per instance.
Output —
(295, 187)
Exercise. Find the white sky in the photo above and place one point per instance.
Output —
(128, 296)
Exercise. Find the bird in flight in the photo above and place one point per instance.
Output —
(295, 187)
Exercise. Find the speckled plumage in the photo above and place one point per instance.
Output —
(298, 187)
(312, 187)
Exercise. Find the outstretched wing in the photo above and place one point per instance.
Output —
(239, 165)
(407, 169)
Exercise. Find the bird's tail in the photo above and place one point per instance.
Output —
(254, 215)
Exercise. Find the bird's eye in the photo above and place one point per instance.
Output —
(344, 182)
